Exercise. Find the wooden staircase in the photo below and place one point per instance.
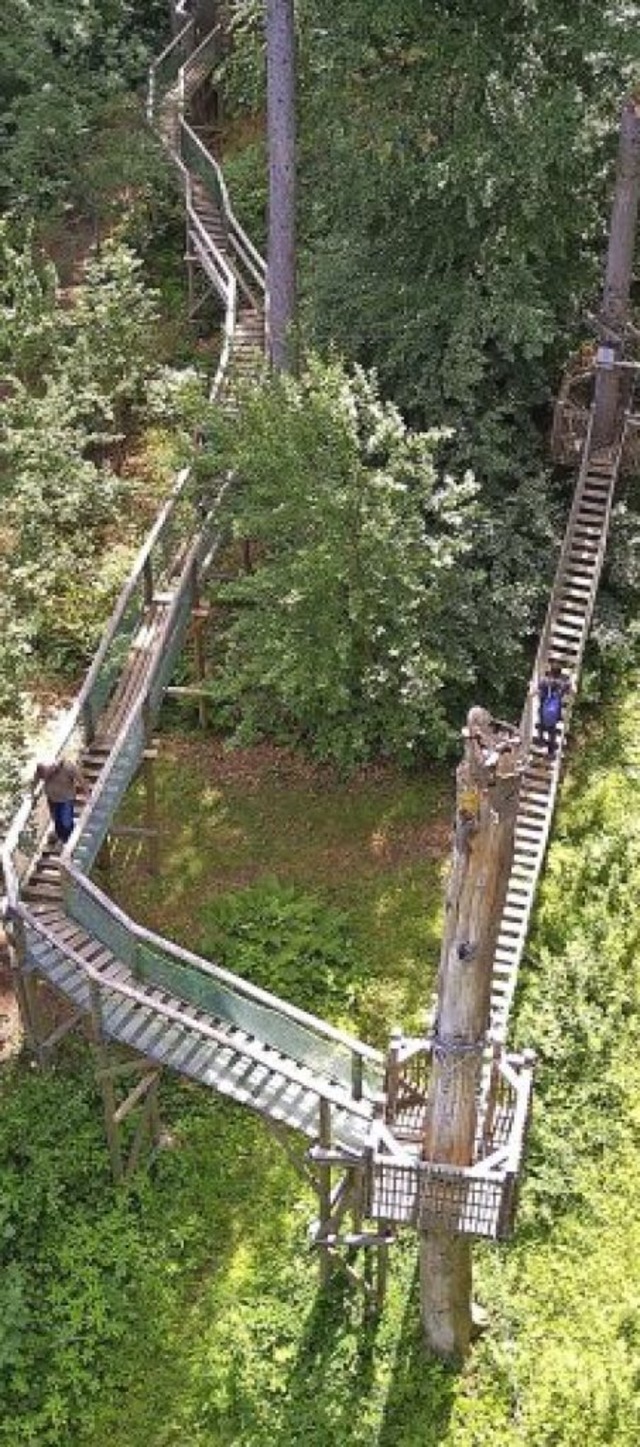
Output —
(563, 641)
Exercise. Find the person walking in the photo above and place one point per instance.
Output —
(553, 688)
(61, 780)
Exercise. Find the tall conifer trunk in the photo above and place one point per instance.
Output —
(281, 255)
(617, 285)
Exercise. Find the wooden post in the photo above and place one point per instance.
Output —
(149, 757)
(105, 1081)
(150, 809)
(488, 783)
(324, 1188)
(618, 276)
(199, 624)
(24, 986)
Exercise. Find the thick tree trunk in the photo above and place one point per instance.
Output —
(445, 1278)
(488, 783)
(281, 255)
(617, 285)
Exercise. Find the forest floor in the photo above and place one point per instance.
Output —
(371, 848)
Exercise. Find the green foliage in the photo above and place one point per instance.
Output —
(337, 640)
(28, 322)
(454, 201)
(65, 70)
(14, 654)
(245, 171)
(75, 380)
(384, 594)
(75, 1274)
(580, 999)
(285, 940)
(111, 350)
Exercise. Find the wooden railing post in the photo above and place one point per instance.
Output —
(147, 581)
(356, 1075)
(24, 985)
(392, 1074)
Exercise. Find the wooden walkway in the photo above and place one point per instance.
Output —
(167, 1005)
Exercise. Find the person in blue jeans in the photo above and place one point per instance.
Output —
(553, 688)
(62, 780)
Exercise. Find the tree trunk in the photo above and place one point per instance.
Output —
(281, 255)
(488, 782)
(445, 1293)
(618, 276)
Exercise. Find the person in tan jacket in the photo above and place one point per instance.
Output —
(62, 780)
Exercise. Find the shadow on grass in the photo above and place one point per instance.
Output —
(421, 1390)
(331, 1393)
(332, 1374)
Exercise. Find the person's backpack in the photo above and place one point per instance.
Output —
(551, 708)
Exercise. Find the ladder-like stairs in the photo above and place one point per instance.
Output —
(563, 641)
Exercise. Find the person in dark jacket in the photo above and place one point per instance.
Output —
(553, 688)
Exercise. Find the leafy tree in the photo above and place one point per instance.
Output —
(61, 64)
(28, 317)
(339, 636)
(455, 162)
(79, 379)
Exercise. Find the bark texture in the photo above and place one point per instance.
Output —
(281, 128)
(488, 782)
(609, 393)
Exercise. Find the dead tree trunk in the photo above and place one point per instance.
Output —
(281, 252)
(488, 782)
(617, 285)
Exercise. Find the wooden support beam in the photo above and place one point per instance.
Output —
(334, 1156)
(297, 1161)
(187, 690)
(61, 1030)
(324, 1186)
(340, 1197)
(151, 814)
(147, 1128)
(122, 1068)
(135, 1096)
(24, 985)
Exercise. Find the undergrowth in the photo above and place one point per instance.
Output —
(186, 1313)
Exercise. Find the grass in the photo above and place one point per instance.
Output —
(372, 848)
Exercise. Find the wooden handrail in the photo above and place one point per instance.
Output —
(74, 715)
(284, 1067)
(240, 986)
